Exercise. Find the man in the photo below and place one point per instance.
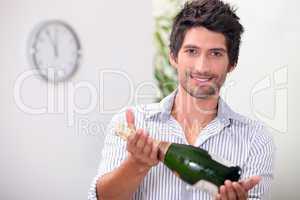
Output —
(204, 47)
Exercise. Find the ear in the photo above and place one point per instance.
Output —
(173, 60)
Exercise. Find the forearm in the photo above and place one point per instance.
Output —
(122, 182)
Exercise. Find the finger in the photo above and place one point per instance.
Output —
(230, 191)
(148, 147)
(154, 152)
(132, 141)
(240, 191)
(141, 142)
(130, 119)
(251, 182)
(223, 193)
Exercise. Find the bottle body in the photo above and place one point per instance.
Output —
(193, 164)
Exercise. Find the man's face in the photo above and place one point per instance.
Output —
(202, 62)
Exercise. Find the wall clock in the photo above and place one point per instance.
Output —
(54, 50)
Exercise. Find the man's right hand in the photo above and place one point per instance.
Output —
(143, 150)
(123, 181)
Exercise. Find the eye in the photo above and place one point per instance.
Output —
(192, 52)
(216, 54)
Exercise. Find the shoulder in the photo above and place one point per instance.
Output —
(251, 130)
(254, 130)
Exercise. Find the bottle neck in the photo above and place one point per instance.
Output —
(162, 150)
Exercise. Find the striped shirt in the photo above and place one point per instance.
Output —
(231, 136)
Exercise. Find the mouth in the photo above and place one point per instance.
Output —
(201, 79)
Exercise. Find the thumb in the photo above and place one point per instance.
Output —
(130, 119)
(251, 182)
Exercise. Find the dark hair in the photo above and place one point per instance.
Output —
(214, 15)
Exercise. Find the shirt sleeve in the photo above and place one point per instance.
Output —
(113, 153)
(260, 162)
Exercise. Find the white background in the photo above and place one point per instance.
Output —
(42, 157)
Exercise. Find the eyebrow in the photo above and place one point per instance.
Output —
(218, 49)
(190, 46)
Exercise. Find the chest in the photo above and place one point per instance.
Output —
(228, 142)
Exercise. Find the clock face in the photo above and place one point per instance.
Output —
(55, 50)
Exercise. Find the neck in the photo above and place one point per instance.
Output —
(190, 109)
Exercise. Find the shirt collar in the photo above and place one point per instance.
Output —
(164, 108)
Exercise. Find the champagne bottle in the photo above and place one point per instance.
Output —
(196, 166)
(193, 165)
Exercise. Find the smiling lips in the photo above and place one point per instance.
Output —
(201, 79)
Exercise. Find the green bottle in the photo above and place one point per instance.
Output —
(195, 165)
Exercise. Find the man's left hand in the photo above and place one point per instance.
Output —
(237, 190)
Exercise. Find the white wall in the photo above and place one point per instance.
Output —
(42, 157)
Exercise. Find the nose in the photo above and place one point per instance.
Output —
(202, 64)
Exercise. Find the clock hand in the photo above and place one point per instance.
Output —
(56, 43)
(53, 42)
